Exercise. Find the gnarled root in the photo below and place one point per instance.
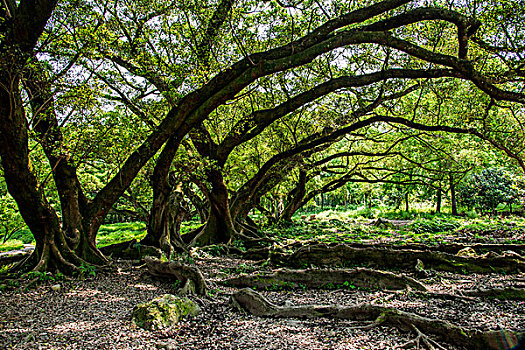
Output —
(326, 278)
(130, 250)
(12, 257)
(323, 255)
(179, 271)
(254, 303)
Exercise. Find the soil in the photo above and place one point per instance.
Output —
(95, 313)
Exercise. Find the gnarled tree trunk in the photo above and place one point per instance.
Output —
(52, 251)
(219, 227)
(168, 207)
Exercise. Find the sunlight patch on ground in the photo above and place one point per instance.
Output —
(145, 287)
(91, 293)
(75, 326)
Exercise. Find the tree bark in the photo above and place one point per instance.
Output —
(219, 227)
(453, 200)
(438, 200)
(168, 207)
(295, 198)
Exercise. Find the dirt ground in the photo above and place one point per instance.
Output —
(95, 313)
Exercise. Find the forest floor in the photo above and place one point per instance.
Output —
(94, 313)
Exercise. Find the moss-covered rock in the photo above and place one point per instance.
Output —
(467, 252)
(163, 312)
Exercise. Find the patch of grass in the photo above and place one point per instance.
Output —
(12, 244)
(24, 235)
(188, 226)
(120, 232)
(332, 226)
(435, 225)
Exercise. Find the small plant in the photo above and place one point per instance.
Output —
(240, 245)
(177, 284)
(87, 271)
(40, 276)
(329, 286)
(9, 284)
(348, 285)
(59, 276)
(213, 292)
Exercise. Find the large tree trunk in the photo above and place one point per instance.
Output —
(52, 251)
(168, 208)
(164, 226)
(198, 203)
(74, 204)
(220, 227)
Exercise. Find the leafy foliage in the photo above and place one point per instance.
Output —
(491, 187)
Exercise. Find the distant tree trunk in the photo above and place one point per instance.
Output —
(164, 226)
(438, 200)
(453, 200)
(406, 202)
(295, 198)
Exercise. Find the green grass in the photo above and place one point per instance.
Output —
(189, 226)
(331, 226)
(336, 226)
(107, 235)
(12, 244)
(120, 232)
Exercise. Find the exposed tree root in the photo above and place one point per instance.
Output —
(11, 257)
(131, 250)
(51, 257)
(444, 296)
(421, 337)
(341, 255)
(451, 248)
(254, 303)
(191, 276)
(218, 250)
(326, 278)
(509, 293)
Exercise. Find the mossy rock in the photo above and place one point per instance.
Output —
(467, 252)
(163, 312)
